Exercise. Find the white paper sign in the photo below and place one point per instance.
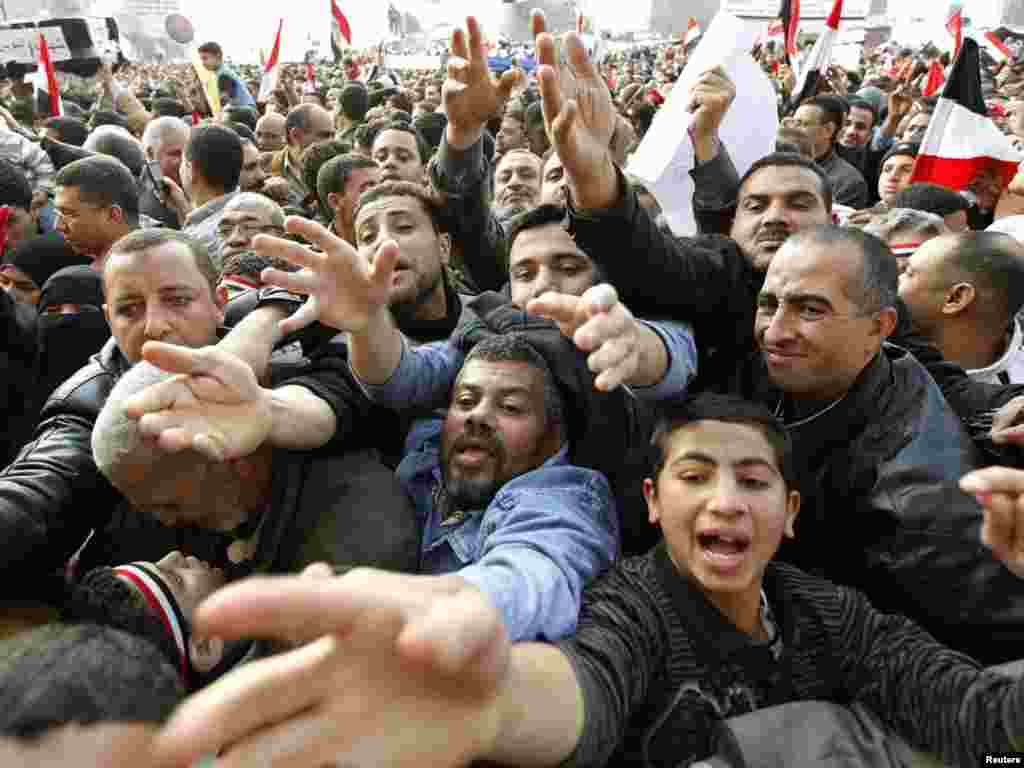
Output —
(22, 45)
(665, 157)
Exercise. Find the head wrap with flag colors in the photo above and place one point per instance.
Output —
(961, 140)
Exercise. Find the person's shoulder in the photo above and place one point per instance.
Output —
(85, 392)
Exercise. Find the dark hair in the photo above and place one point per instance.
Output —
(216, 155)
(165, 107)
(731, 410)
(405, 189)
(867, 106)
(878, 289)
(242, 131)
(334, 175)
(833, 109)
(431, 127)
(515, 348)
(401, 102)
(144, 239)
(932, 198)
(70, 130)
(118, 143)
(60, 674)
(213, 48)
(104, 117)
(996, 260)
(14, 187)
(791, 159)
(312, 160)
(421, 144)
(354, 102)
(103, 181)
(241, 114)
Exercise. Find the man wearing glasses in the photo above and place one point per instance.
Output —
(246, 215)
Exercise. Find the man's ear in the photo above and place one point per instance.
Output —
(445, 244)
(887, 320)
(332, 200)
(651, 497)
(959, 298)
(792, 510)
(205, 652)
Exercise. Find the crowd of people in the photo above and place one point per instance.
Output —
(384, 420)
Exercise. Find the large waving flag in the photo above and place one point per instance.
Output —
(46, 83)
(961, 140)
(341, 32)
(816, 67)
(271, 67)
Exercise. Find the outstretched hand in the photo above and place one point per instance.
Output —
(579, 116)
(215, 406)
(598, 324)
(345, 292)
(471, 97)
(1000, 490)
(404, 673)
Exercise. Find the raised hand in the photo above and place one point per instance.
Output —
(215, 406)
(710, 99)
(579, 116)
(405, 673)
(1000, 490)
(345, 292)
(599, 324)
(470, 95)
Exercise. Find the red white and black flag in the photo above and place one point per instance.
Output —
(955, 26)
(936, 79)
(789, 15)
(961, 140)
(47, 87)
(341, 32)
(816, 66)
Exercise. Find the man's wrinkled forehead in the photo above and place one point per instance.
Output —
(518, 158)
(788, 181)
(392, 206)
(142, 272)
(543, 243)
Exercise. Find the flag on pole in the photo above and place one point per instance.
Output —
(995, 45)
(341, 32)
(789, 15)
(936, 79)
(961, 140)
(955, 25)
(693, 31)
(815, 69)
(46, 80)
(271, 68)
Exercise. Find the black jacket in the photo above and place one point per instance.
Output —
(52, 495)
(17, 364)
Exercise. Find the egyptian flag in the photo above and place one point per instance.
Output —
(816, 67)
(341, 32)
(789, 15)
(999, 50)
(936, 79)
(961, 139)
(955, 25)
(271, 67)
(47, 87)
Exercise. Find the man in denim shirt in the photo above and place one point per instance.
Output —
(499, 502)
